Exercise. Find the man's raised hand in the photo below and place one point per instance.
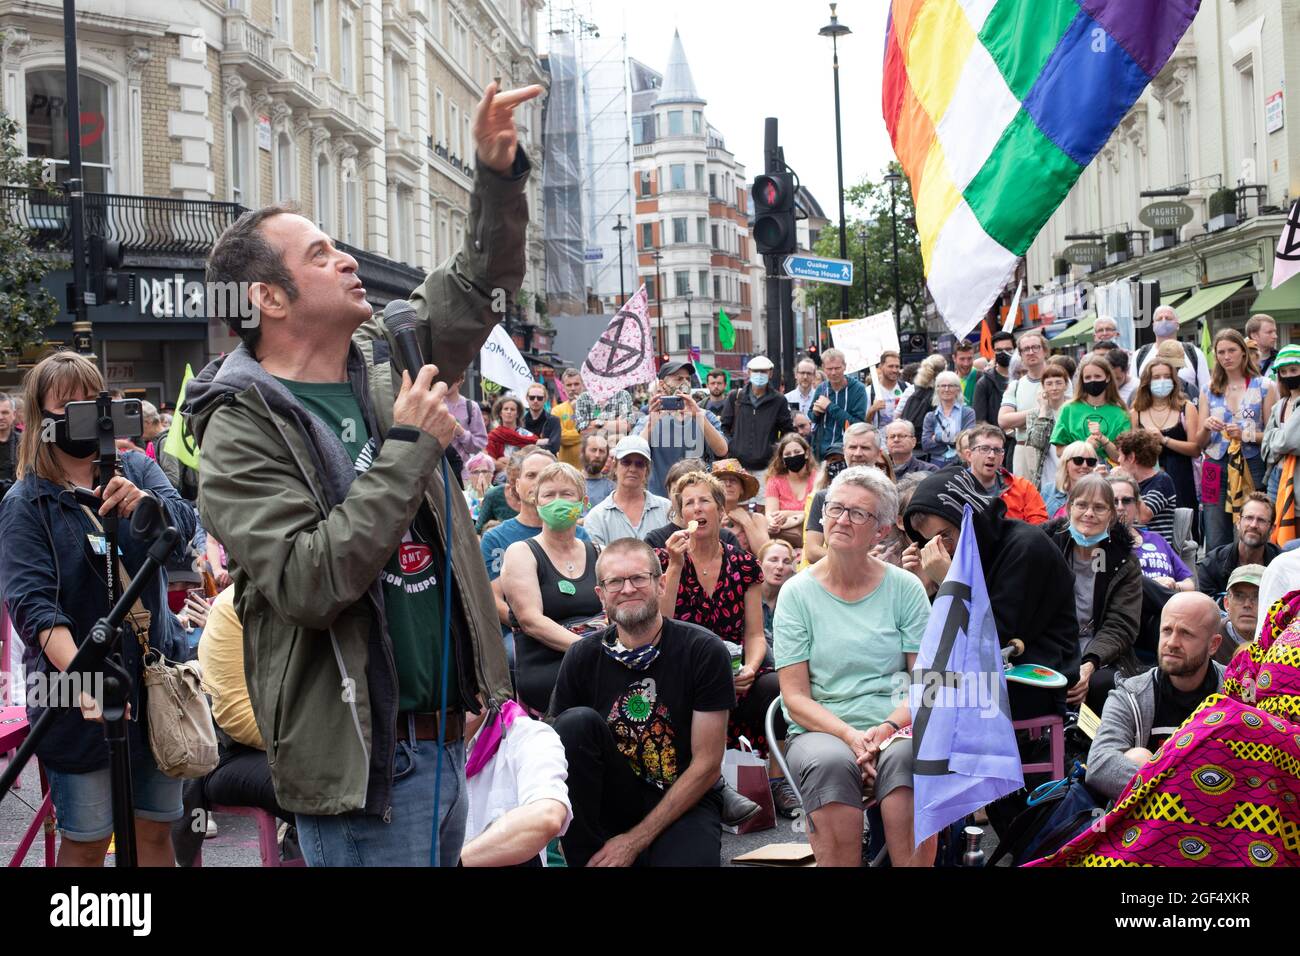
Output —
(495, 136)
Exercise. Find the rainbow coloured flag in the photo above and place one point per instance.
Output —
(995, 107)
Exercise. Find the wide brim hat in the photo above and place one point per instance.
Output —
(732, 467)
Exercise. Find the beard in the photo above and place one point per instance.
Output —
(594, 469)
(1185, 668)
(633, 618)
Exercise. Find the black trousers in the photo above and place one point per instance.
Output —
(608, 798)
(242, 778)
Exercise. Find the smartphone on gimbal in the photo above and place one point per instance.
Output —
(86, 424)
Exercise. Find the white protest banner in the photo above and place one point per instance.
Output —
(863, 340)
(502, 363)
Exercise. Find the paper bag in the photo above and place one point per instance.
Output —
(745, 771)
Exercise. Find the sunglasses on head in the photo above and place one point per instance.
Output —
(1080, 461)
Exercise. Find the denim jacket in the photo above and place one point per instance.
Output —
(51, 576)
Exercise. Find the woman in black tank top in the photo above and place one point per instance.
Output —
(565, 600)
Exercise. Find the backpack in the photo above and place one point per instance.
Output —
(1056, 813)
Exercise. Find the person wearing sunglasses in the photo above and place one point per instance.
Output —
(1159, 562)
(1098, 547)
(1076, 460)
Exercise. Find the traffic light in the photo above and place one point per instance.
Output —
(774, 218)
(106, 283)
(814, 353)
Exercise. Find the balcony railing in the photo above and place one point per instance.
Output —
(249, 43)
(144, 225)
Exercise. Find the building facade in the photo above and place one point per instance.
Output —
(359, 111)
(1217, 130)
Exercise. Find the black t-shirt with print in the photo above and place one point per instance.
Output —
(649, 712)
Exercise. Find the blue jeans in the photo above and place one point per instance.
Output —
(355, 839)
(1217, 522)
(83, 802)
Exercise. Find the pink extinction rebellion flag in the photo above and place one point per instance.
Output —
(1287, 262)
(624, 355)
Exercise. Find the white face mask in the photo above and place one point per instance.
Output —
(758, 379)
(1162, 387)
(1165, 328)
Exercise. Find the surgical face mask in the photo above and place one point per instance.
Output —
(1164, 328)
(1088, 540)
(758, 379)
(85, 448)
(1162, 387)
(560, 514)
(1094, 389)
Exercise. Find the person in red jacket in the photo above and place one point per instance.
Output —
(988, 446)
(508, 413)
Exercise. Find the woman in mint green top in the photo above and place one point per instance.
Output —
(845, 637)
(1097, 414)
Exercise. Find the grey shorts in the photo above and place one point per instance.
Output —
(824, 767)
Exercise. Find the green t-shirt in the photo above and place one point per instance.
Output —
(1072, 422)
(412, 593)
(856, 651)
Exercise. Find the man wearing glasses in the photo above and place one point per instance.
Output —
(642, 710)
(1021, 397)
(987, 450)
(631, 511)
(541, 422)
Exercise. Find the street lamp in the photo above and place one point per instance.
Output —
(835, 30)
(866, 289)
(620, 229)
(894, 179)
(690, 334)
(658, 256)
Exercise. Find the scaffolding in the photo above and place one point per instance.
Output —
(563, 238)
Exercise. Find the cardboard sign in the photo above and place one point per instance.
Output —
(863, 340)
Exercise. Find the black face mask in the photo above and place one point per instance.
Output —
(1094, 389)
(796, 462)
(1003, 359)
(86, 448)
(834, 468)
(1292, 382)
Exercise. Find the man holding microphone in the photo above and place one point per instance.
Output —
(323, 477)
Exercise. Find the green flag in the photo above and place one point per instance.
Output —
(726, 331)
(1206, 345)
(703, 371)
(180, 443)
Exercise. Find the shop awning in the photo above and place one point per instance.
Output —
(1173, 298)
(1077, 332)
(1203, 300)
(1283, 303)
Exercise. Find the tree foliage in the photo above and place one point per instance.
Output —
(26, 309)
(873, 197)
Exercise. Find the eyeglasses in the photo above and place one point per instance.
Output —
(634, 461)
(1125, 501)
(1030, 349)
(638, 581)
(537, 398)
(834, 512)
(1095, 508)
(997, 451)
(1079, 461)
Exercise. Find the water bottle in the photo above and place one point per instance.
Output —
(973, 856)
(1248, 436)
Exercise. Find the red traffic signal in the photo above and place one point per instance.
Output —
(774, 221)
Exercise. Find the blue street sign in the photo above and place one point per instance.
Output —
(836, 271)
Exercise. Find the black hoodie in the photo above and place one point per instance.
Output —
(1030, 586)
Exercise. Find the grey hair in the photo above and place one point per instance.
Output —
(863, 428)
(911, 429)
(947, 377)
(149, 414)
(833, 354)
(5, 397)
(876, 482)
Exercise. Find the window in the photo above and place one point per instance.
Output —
(1248, 153)
(345, 51)
(675, 127)
(699, 177)
(697, 122)
(284, 167)
(280, 19)
(713, 186)
(704, 282)
(238, 156)
(706, 343)
(459, 43)
(468, 140)
(651, 294)
(444, 238)
(323, 194)
(647, 235)
(1180, 149)
(682, 281)
(701, 227)
(47, 127)
(677, 174)
(435, 18)
(439, 119)
(319, 34)
(397, 94)
(713, 232)
(717, 288)
(679, 229)
(352, 210)
(645, 181)
(683, 337)
(643, 129)
(453, 144)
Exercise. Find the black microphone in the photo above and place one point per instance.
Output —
(399, 316)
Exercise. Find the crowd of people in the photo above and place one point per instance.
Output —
(525, 631)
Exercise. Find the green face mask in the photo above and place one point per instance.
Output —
(560, 514)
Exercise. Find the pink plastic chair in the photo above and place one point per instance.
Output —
(1054, 725)
(267, 826)
(13, 731)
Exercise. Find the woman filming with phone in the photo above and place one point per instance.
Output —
(54, 578)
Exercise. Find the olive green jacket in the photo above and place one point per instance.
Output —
(307, 537)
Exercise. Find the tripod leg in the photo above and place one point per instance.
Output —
(119, 751)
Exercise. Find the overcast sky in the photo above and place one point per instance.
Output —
(757, 58)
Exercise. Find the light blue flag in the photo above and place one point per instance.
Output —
(963, 742)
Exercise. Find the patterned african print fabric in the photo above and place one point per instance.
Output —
(1225, 789)
(1240, 483)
